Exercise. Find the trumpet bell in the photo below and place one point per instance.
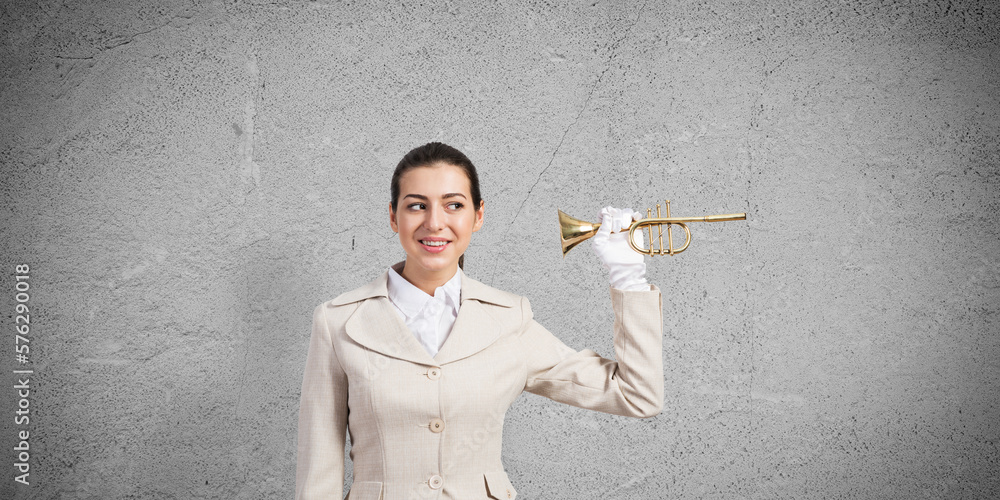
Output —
(572, 231)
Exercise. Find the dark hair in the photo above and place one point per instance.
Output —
(426, 156)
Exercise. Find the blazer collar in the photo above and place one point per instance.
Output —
(471, 289)
(377, 325)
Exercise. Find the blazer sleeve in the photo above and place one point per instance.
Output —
(319, 471)
(632, 386)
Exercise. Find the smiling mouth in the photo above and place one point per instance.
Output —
(431, 243)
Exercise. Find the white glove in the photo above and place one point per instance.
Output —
(627, 268)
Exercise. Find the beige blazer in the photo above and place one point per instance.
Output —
(431, 427)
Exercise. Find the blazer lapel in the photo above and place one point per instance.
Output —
(376, 323)
(377, 326)
(475, 327)
(474, 330)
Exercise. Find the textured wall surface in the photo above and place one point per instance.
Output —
(188, 180)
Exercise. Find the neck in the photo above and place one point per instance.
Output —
(425, 280)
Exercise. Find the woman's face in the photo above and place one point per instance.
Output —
(435, 219)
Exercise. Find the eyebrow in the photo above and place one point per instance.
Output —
(422, 197)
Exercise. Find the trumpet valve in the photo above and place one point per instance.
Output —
(649, 232)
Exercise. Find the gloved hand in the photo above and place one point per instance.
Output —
(627, 268)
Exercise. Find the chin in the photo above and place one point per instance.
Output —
(439, 264)
(432, 262)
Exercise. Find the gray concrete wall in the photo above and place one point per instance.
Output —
(187, 180)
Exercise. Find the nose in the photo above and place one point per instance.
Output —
(434, 220)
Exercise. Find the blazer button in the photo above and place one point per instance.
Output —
(437, 425)
(435, 481)
(434, 373)
(508, 493)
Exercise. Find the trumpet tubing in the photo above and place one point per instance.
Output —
(574, 231)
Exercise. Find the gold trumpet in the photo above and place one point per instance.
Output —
(573, 231)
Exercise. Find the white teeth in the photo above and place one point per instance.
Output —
(434, 243)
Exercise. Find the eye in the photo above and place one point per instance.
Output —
(455, 205)
(416, 206)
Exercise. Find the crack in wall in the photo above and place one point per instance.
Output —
(123, 40)
(583, 109)
(120, 41)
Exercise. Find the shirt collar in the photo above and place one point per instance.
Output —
(411, 300)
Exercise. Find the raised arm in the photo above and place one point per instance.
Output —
(632, 386)
(319, 472)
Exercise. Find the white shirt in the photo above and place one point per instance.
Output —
(429, 318)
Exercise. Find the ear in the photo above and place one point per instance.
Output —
(392, 220)
(479, 216)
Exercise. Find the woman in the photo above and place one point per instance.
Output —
(421, 364)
